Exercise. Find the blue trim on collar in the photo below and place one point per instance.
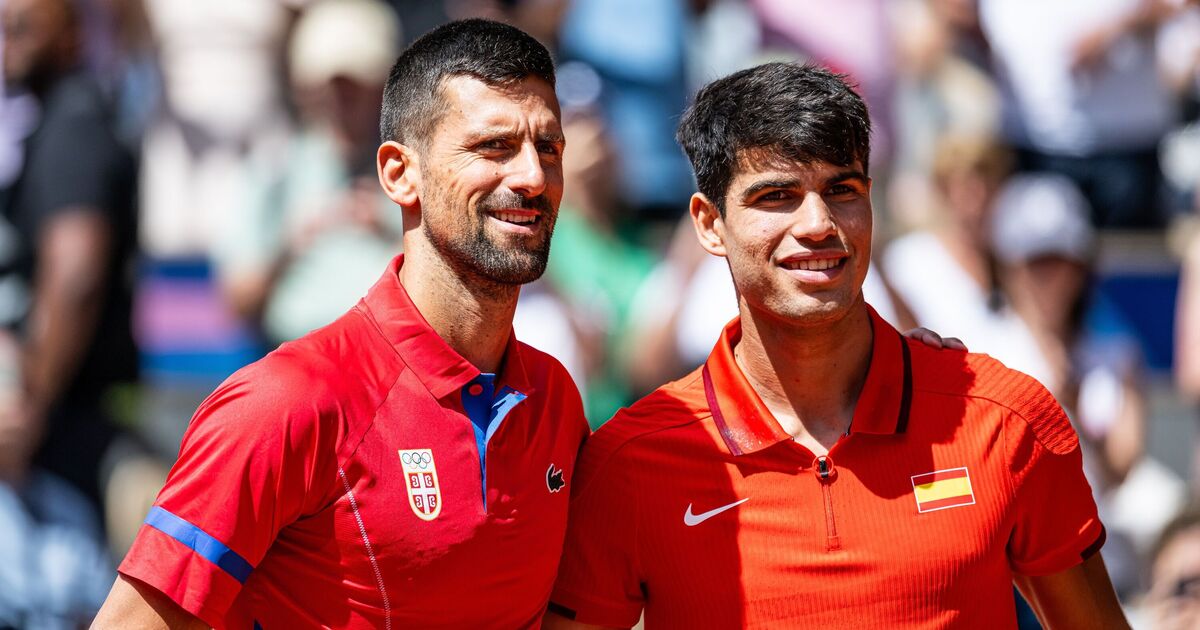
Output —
(486, 411)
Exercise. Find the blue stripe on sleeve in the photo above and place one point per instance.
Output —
(197, 540)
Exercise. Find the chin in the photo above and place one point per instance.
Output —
(809, 311)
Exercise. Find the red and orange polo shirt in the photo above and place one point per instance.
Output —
(367, 476)
(955, 474)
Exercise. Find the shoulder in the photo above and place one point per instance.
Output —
(339, 373)
(75, 142)
(558, 391)
(77, 96)
(541, 367)
(77, 112)
(674, 405)
(984, 379)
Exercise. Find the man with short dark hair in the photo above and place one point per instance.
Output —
(408, 465)
(819, 470)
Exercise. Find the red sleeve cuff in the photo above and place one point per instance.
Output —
(187, 578)
(1085, 546)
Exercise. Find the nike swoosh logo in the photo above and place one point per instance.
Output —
(692, 520)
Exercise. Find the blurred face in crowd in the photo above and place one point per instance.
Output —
(39, 38)
(1053, 284)
(492, 179)
(797, 236)
(1174, 597)
(969, 171)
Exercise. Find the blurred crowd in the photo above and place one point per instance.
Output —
(186, 185)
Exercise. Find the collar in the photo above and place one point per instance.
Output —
(745, 423)
(439, 367)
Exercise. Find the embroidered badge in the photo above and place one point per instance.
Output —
(420, 477)
(943, 489)
(554, 479)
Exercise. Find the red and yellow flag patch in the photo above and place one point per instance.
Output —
(943, 489)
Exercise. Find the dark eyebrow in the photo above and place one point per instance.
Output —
(757, 187)
(490, 133)
(550, 136)
(847, 176)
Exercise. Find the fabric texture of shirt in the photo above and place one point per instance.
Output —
(955, 474)
(338, 483)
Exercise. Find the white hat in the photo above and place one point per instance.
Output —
(358, 39)
(1041, 214)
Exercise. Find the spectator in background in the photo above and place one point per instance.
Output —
(940, 90)
(637, 47)
(594, 265)
(1187, 330)
(54, 567)
(1044, 245)
(316, 229)
(946, 274)
(1069, 71)
(224, 101)
(1173, 602)
(223, 108)
(856, 39)
(67, 261)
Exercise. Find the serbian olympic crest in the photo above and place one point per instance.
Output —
(420, 477)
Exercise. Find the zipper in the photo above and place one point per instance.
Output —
(826, 473)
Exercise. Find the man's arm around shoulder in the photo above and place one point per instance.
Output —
(132, 604)
(1079, 597)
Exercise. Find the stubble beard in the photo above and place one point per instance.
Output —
(467, 247)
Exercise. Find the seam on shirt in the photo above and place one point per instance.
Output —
(1037, 435)
(362, 529)
(630, 439)
(374, 417)
(382, 401)
(1010, 486)
(685, 383)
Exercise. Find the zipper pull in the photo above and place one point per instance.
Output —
(826, 473)
(823, 467)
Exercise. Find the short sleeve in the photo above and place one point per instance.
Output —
(259, 454)
(78, 162)
(599, 577)
(1057, 525)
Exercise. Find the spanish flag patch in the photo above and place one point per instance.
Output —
(943, 489)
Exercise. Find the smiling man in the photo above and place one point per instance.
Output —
(408, 465)
(820, 470)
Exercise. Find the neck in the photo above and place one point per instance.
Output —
(809, 376)
(473, 316)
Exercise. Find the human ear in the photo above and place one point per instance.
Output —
(399, 173)
(709, 225)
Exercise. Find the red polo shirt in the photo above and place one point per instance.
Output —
(955, 474)
(340, 482)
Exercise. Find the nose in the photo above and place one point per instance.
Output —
(526, 172)
(813, 219)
